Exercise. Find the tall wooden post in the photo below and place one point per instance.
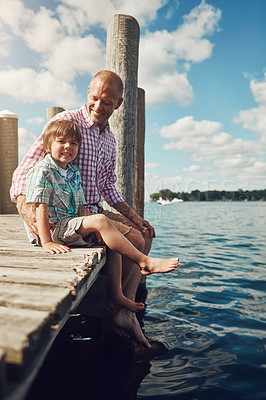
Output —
(122, 52)
(52, 111)
(8, 159)
(140, 144)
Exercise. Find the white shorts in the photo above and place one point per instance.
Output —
(65, 232)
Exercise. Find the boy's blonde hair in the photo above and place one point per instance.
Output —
(60, 127)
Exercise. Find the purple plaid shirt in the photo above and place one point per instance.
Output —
(96, 161)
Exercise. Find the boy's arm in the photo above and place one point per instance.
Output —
(42, 220)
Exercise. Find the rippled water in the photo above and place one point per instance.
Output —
(210, 314)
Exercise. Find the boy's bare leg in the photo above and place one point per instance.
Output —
(116, 298)
(117, 242)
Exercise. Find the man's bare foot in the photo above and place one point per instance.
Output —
(125, 320)
(120, 301)
(158, 265)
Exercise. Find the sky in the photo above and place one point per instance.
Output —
(202, 65)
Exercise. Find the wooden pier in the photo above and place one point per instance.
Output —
(37, 293)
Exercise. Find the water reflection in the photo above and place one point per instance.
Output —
(86, 362)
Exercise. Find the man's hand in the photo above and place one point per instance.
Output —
(143, 225)
(28, 213)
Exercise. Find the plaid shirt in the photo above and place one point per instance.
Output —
(96, 162)
(45, 184)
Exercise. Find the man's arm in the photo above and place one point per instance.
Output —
(127, 211)
(28, 213)
(43, 226)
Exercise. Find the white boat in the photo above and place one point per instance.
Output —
(165, 202)
(175, 200)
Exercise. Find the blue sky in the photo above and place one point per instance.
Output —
(202, 65)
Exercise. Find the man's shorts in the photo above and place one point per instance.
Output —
(123, 224)
(65, 232)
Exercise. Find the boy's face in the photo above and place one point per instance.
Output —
(64, 149)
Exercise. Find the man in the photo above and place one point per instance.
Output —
(96, 161)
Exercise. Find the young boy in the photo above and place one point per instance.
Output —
(54, 188)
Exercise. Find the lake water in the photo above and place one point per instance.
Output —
(206, 320)
(211, 313)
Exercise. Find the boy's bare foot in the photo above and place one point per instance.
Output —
(158, 265)
(124, 320)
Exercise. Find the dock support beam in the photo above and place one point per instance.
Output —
(122, 53)
(52, 111)
(140, 144)
(8, 159)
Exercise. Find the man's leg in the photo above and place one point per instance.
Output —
(131, 275)
(131, 272)
(116, 297)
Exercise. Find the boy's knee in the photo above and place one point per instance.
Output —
(100, 221)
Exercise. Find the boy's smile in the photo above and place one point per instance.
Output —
(64, 149)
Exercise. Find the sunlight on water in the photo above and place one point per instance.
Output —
(210, 313)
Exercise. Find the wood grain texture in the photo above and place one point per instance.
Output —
(37, 292)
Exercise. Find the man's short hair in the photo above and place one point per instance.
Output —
(112, 78)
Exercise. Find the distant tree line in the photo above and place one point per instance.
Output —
(211, 195)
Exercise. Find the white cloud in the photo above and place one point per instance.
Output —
(192, 168)
(154, 165)
(217, 151)
(188, 127)
(254, 119)
(75, 55)
(15, 15)
(259, 90)
(87, 12)
(25, 140)
(43, 31)
(35, 120)
(205, 140)
(168, 87)
(27, 85)
(161, 52)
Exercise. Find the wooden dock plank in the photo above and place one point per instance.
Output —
(35, 297)
(22, 333)
(37, 292)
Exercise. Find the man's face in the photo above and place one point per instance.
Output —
(103, 99)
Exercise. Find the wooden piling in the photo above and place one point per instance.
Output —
(122, 52)
(140, 143)
(9, 158)
(52, 111)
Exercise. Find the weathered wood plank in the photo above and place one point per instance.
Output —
(22, 333)
(37, 292)
(35, 297)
